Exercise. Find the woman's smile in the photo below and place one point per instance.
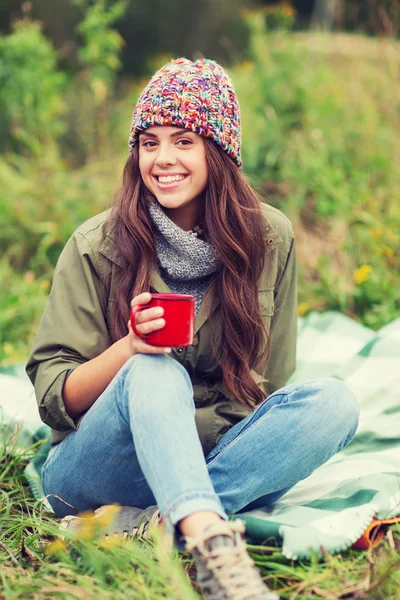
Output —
(169, 182)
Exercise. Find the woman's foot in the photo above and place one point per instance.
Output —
(194, 524)
(224, 568)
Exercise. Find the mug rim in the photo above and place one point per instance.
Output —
(172, 296)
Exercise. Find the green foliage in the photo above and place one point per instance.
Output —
(92, 91)
(279, 16)
(41, 202)
(272, 93)
(20, 310)
(42, 198)
(100, 54)
(322, 145)
(319, 141)
(31, 87)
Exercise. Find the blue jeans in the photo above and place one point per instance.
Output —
(138, 446)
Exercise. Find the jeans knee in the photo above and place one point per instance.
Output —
(340, 404)
(145, 363)
(150, 365)
(159, 378)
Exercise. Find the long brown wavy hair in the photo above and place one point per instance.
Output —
(234, 225)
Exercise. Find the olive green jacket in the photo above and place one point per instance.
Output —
(75, 327)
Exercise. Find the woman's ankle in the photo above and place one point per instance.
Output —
(194, 524)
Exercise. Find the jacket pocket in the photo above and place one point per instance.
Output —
(266, 302)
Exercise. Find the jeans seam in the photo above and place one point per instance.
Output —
(154, 471)
(120, 393)
(348, 438)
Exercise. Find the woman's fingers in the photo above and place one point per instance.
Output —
(149, 326)
(142, 316)
(142, 298)
(139, 345)
(144, 348)
(147, 321)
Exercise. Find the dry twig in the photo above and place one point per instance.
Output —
(11, 555)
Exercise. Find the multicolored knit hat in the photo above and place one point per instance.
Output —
(193, 95)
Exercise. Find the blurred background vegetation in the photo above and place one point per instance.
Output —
(318, 84)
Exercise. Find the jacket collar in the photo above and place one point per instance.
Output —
(157, 284)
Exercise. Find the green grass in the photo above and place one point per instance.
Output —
(32, 567)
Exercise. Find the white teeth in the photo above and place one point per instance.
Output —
(170, 179)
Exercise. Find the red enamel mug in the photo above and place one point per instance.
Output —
(179, 320)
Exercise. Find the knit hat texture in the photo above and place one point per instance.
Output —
(193, 95)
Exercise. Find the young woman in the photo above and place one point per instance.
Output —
(205, 431)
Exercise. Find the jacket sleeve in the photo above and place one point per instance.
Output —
(72, 330)
(283, 331)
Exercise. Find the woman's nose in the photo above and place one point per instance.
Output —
(165, 155)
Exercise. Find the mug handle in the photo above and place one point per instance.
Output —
(134, 311)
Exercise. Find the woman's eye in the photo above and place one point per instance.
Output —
(151, 143)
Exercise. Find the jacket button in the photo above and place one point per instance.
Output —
(195, 341)
(180, 350)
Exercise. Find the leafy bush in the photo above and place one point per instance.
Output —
(319, 130)
(31, 87)
(42, 198)
(322, 145)
(41, 202)
(93, 89)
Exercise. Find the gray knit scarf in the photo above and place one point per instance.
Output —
(186, 263)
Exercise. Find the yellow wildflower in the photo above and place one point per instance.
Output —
(303, 308)
(86, 530)
(362, 274)
(376, 233)
(55, 546)
(90, 521)
(8, 348)
(108, 514)
(86, 514)
(112, 541)
(45, 285)
(387, 251)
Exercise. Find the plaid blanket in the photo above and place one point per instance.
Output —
(346, 501)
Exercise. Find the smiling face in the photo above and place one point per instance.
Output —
(172, 163)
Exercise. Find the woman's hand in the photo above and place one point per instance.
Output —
(147, 320)
(90, 379)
